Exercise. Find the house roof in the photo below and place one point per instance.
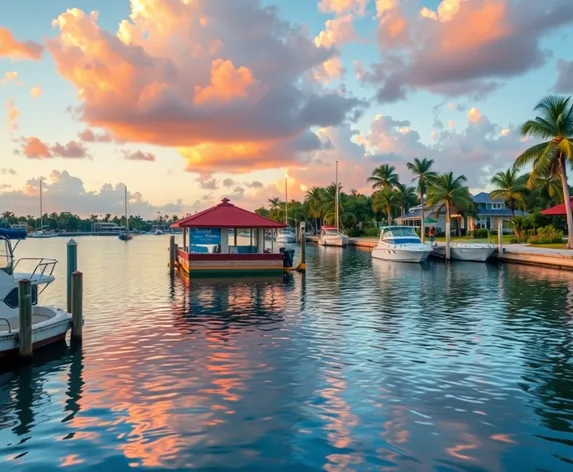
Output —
(557, 210)
(484, 197)
(226, 215)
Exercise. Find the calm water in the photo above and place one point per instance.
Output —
(359, 365)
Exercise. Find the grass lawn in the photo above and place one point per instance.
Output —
(506, 239)
(549, 246)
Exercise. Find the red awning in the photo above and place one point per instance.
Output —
(226, 215)
(557, 210)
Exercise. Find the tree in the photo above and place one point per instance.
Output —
(407, 197)
(386, 201)
(276, 209)
(449, 193)
(510, 187)
(313, 200)
(423, 174)
(383, 176)
(554, 126)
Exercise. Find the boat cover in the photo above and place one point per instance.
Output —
(12, 233)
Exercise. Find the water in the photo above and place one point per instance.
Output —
(360, 365)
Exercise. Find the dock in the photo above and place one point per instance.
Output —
(512, 253)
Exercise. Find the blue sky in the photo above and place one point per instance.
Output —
(165, 180)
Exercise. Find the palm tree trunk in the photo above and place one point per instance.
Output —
(422, 230)
(448, 232)
(567, 204)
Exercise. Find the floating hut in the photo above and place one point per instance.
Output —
(207, 248)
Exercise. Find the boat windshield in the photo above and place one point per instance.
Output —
(5, 255)
(399, 231)
(330, 232)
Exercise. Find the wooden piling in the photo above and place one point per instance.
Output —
(448, 239)
(172, 254)
(72, 266)
(25, 343)
(77, 305)
(500, 237)
(302, 265)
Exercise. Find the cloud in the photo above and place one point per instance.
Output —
(329, 70)
(90, 136)
(7, 171)
(467, 47)
(13, 49)
(564, 82)
(35, 148)
(208, 184)
(138, 156)
(228, 183)
(5, 186)
(233, 92)
(254, 184)
(11, 77)
(66, 192)
(13, 115)
(337, 32)
(36, 92)
(343, 6)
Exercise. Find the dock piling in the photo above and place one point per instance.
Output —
(499, 237)
(77, 305)
(172, 254)
(448, 239)
(302, 265)
(25, 314)
(72, 266)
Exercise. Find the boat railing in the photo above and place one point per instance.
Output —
(43, 266)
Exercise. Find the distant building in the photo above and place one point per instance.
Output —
(102, 227)
(23, 226)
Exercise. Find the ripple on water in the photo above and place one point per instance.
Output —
(359, 365)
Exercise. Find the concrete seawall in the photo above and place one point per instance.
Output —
(513, 253)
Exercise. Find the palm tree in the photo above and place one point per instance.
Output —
(313, 200)
(547, 189)
(424, 175)
(383, 176)
(386, 201)
(510, 188)
(449, 193)
(407, 196)
(276, 208)
(555, 127)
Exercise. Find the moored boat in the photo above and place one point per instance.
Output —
(466, 251)
(285, 236)
(330, 236)
(49, 324)
(401, 243)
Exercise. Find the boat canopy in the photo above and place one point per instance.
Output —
(12, 233)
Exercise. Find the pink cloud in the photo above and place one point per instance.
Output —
(13, 115)
(35, 148)
(467, 47)
(233, 93)
(343, 6)
(89, 136)
(138, 156)
(10, 47)
(36, 92)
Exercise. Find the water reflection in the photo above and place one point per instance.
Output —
(358, 364)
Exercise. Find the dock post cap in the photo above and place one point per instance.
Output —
(71, 242)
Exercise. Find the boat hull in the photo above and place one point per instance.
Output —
(285, 240)
(44, 333)
(335, 241)
(468, 254)
(400, 255)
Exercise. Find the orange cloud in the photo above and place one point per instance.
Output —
(343, 6)
(13, 114)
(36, 92)
(138, 156)
(11, 77)
(234, 83)
(35, 148)
(329, 70)
(10, 47)
(337, 32)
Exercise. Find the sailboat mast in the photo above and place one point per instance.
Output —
(336, 203)
(126, 216)
(286, 200)
(41, 208)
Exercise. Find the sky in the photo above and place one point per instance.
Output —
(189, 101)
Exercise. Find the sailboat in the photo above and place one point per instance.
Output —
(124, 235)
(41, 233)
(331, 235)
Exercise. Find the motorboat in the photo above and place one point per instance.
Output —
(157, 232)
(401, 243)
(49, 324)
(41, 234)
(466, 251)
(285, 236)
(330, 236)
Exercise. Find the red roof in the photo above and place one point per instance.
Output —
(226, 215)
(557, 210)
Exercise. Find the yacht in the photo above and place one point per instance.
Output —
(330, 236)
(401, 243)
(285, 236)
(49, 324)
(466, 251)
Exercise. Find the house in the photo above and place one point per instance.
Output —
(107, 228)
(489, 210)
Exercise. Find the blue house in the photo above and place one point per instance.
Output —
(489, 211)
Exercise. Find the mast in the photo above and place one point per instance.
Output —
(286, 200)
(41, 208)
(126, 216)
(336, 202)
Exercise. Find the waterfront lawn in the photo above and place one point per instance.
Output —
(506, 239)
(549, 246)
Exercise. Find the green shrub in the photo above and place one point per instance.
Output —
(371, 232)
(479, 233)
(546, 235)
(354, 232)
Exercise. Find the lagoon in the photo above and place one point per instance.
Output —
(360, 364)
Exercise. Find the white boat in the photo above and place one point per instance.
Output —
(285, 236)
(401, 243)
(330, 236)
(462, 251)
(157, 232)
(49, 324)
(41, 234)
